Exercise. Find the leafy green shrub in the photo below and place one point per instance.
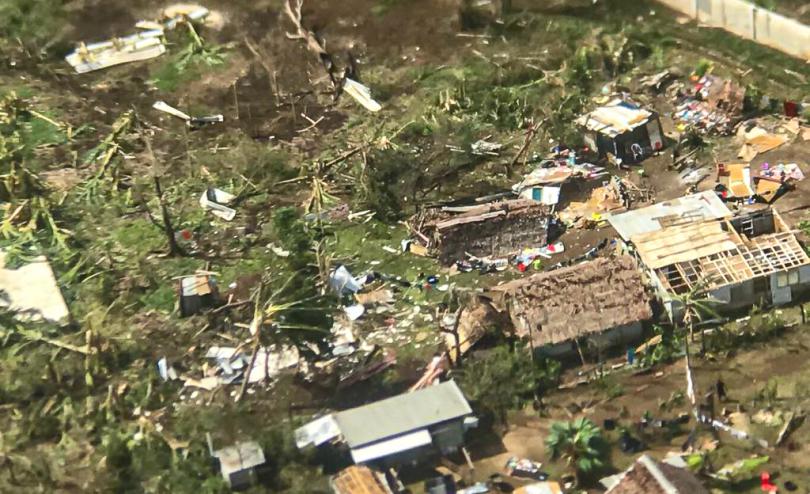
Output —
(506, 379)
(580, 445)
(671, 346)
(703, 67)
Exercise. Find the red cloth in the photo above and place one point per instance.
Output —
(765, 480)
(791, 109)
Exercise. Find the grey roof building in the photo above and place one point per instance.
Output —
(398, 429)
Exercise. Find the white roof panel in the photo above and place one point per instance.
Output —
(617, 117)
(684, 210)
(392, 446)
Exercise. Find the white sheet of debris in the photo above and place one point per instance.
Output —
(32, 292)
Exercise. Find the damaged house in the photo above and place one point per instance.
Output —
(753, 258)
(623, 131)
(496, 230)
(603, 300)
(653, 477)
(402, 429)
(359, 480)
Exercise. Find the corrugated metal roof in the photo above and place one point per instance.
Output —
(684, 210)
(402, 414)
(615, 118)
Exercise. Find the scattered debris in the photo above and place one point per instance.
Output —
(470, 327)
(792, 421)
(528, 256)
(439, 364)
(613, 197)
(166, 371)
(712, 106)
(343, 339)
(738, 183)
(31, 291)
(135, 48)
(177, 13)
(773, 181)
(355, 311)
(523, 468)
(741, 469)
(193, 122)
(693, 176)
(658, 82)
(361, 94)
(758, 141)
(483, 147)
(376, 297)
(369, 369)
(547, 487)
(768, 417)
(216, 201)
(342, 282)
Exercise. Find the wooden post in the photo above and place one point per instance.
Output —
(467, 457)
(579, 351)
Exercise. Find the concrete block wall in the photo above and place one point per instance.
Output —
(745, 19)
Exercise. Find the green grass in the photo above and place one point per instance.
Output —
(31, 21)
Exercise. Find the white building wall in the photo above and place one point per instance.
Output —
(745, 19)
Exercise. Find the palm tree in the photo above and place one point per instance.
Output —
(695, 306)
(580, 444)
(268, 310)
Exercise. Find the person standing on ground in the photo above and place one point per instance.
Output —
(720, 389)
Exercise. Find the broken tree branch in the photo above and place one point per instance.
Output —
(256, 328)
(531, 132)
(174, 248)
(34, 336)
(312, 43)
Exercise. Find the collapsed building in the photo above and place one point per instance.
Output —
(603, 301)
(495, 230)
(744, 260)
(623, 131)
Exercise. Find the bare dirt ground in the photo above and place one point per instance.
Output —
(746, 373)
